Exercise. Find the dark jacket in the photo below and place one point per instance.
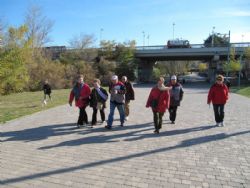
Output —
(95, 97)
(176, 94)
(130, 94)
(218, 94)
(47, 89)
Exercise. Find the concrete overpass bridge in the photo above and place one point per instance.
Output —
(148, 55)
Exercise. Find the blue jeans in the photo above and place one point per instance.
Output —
(120, 108)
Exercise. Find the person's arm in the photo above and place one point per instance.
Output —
(122, 90)
(227, 91)
(101, 92)
(148, 104)
(132, 91)
(181, 93)
(209, 97)
(71, 97)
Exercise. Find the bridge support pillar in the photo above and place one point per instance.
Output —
(145, 71)
(213, 67)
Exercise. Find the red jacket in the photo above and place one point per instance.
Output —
(218, 94)
(83, 99)
(162, 97)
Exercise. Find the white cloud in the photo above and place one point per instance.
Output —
(240, 37)
(237, 13)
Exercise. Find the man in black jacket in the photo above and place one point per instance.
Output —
(129, 95)
(176, 95)
(46, 90)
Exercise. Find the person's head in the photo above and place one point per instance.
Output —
(219, 79)
(46, 81)
(173, 79)
(124, 79)
(160, 81)
(96, 83)
(80, 79)
(114, 79)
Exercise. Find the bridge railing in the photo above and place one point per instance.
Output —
(161, 47)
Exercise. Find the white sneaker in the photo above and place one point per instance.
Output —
(126, 118)
(222, 124)
(217, 124)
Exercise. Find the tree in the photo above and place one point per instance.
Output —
(107, 49)
(173, 67)
(13, 71)
(202, 67)
(216, 40)
(82, 47)
(39, 27)
(2, 29)
(82, 41)
(234, 64)
(247, 61)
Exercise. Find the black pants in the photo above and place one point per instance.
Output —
(158, 119)
(218, 112)
(83, 117)
(95, 114)
(172, 112)
(45, 94)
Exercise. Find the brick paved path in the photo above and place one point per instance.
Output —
(46, 150)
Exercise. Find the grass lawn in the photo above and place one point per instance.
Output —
(243, 90)
(20, 104)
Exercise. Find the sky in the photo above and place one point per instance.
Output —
(152, 22)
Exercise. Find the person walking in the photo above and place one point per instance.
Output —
(218, 95)
(117, 98)
(81, 92)
(130, 95)
(98, 98)
(176, 95)
(158, 100)
(47, 91)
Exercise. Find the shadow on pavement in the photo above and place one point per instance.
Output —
(128, 136)
(40, 133)
(183, 144)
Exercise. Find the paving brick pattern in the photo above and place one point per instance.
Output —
(46, 150)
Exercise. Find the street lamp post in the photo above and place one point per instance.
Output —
(101, 30)
(143, 36)
(228, 51)
(173, 30)
(148, 39)
(213, 37)
(240, 69)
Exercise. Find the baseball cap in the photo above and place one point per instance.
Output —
(173, 77)
(114, 77)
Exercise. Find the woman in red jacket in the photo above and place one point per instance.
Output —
(158, 100)
(81, 92)
(218, 95)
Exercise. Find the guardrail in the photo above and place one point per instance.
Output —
(161, 47)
